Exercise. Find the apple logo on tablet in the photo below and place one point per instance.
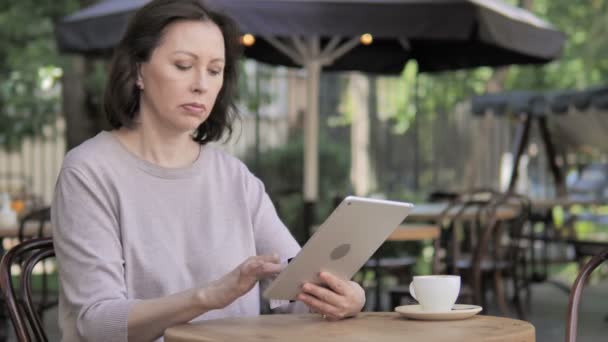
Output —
(340, 251)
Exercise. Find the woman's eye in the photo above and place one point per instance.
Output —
(183, 67)
(215, 72)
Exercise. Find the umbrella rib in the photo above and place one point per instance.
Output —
(335, 40)
(340, 51)
(300, 46)
(287, 50)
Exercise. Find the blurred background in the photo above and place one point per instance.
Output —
(401, 137)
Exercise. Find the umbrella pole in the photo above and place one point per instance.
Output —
(314, 59)
(257, 119)
(311, 143)
(307, 52)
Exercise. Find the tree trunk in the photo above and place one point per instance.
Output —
(82, 119)
(496, 83)
(81, 122)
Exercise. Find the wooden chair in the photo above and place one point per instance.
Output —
(400, 267)
(22, 311)
(515, 250)
(41, 216)
(36, 224)
(487, 250)
(465, 241)
(429, 233)
(445, 244)
(501, 255)
(576, 292)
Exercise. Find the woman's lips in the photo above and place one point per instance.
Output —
(194, 108)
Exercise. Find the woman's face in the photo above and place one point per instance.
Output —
(183, 77)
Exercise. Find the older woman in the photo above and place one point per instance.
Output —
(153, 226)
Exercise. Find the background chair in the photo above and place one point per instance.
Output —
(576, 292)
(40, 216)
(24, 316)
(443, 246)
(36, 224)
(484, 247)
(402, 290)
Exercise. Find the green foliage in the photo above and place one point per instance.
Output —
(583, 62)
(30, 67)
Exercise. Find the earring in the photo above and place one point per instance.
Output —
(139, 85)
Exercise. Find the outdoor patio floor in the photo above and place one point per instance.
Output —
(548, 314)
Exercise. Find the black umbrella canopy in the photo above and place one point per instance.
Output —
(324, 35)
(439, 34)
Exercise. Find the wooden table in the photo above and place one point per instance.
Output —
(433, 211)
(379, 326)
(415, 232)
(31, 229)
(550, 203)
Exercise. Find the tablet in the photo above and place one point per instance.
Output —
(341, 245)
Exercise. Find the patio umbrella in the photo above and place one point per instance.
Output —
(328, 35)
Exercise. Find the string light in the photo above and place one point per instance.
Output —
(366, 39)
(247, 39)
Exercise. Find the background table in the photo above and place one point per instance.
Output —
(550, 203)
(434, 211)
(415, 232)
(380, 326)
(31, 229)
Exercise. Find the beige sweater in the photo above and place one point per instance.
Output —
(126, 229)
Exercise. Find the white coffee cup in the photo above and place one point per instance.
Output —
(435, 293)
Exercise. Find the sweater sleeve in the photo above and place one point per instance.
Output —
(90, 260)
(271, 235)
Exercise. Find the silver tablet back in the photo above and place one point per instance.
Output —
(342, 244)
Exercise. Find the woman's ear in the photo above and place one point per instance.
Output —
(139, 82)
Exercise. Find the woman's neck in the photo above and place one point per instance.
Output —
(159, 147)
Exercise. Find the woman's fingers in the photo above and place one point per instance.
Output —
(329, 311)
(261, 266)
(323, 294)
(244, 277)
(274, 258)
(338, 285)
(338, 300)
(331, 305)
(269, 269)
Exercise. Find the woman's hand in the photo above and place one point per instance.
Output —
(239, 281)
(341, 298)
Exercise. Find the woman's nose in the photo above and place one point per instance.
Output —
(200, 83)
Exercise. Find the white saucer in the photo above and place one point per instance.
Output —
(459, 311)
